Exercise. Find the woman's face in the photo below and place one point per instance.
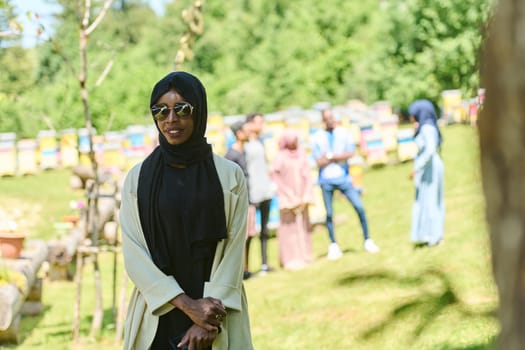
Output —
(175, 129)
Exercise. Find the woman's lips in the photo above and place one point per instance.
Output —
(174, 132)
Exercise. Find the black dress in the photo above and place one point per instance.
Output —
(191, 261)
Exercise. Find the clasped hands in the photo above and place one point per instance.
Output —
(207, 315)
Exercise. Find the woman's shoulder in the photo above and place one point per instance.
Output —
(230, 173)
(131, 178)
(224, 165)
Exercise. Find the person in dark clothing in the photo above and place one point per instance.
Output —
(236, 154)
(183, 218)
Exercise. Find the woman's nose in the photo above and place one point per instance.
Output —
(172, 115)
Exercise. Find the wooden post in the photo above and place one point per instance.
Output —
(122, 308)
(78, 282)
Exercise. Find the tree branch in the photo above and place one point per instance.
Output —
(87, 10)
(99, 18)
(104, 73)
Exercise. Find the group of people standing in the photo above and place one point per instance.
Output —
(332, 147)
(187, 215)
(288, 177)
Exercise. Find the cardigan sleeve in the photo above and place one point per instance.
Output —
(157, 288)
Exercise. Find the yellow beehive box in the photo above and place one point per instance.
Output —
(27, 156)
(7, 154)
(68, 148)
(406, 146)
(48, 149)
(113, 159)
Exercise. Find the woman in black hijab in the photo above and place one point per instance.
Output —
(183, 215)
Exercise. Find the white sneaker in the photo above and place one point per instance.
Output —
(370, 246)
(334, 252)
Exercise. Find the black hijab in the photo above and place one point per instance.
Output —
(199, 222)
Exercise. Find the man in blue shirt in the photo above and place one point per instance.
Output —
(331, 149)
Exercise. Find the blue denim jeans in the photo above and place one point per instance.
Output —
(353, 196)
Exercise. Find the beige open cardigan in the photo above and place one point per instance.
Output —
(153, 289)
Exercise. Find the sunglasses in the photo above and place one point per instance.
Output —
(183, 110)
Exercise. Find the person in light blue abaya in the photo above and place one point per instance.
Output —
(428, 211)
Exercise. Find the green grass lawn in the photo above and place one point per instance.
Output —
(441, 298)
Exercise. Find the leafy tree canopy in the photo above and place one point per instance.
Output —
(263, 55)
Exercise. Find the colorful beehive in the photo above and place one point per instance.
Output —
(473, 110)
(151, 138)
(84, 145)
(215, 133)
(48, 149)
(69, 148)
(113, 159)
(406, 147)
(27, 156)
(375, 149)
(342, 115)
(296, 119)
(389, 126)
(366, 127)
(316, 210)
(7, 154)
(356, 164)
(452, 108)
(135, 144)
(315, 121)
(355, 132)
(274, 125)
(382, 109)
(357, 106)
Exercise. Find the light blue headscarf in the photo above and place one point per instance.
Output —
(425, 113)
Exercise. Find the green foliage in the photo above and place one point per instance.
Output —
(16, 63)
(253, 55)
(435, 47)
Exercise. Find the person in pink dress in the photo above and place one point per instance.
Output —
(291, 174)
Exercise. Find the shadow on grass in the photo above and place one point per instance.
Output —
(490, 345)
(108, 322)
(27, 324)
(61, 330)
(427, 306)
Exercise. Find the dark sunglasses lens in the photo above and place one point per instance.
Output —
(182, 109)
(160, 113)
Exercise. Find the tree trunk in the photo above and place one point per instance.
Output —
(502, 144)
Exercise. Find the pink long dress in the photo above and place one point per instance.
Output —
(291, 174)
